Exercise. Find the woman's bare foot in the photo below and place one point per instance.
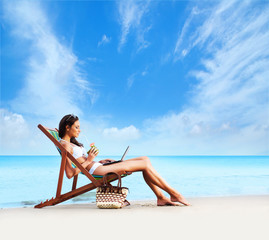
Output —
(165, 202)
(179, 198)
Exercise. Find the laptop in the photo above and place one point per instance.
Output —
(123, 156)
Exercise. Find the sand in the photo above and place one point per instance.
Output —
(243, 217)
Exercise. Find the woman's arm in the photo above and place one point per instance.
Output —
(69, 169)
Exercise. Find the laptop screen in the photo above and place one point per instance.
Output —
(123, 156)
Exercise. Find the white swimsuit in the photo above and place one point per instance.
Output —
(81, 152)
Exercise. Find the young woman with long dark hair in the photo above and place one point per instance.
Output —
(69, 130)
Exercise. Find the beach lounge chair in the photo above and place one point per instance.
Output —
(95, 180)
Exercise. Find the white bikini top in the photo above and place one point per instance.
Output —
(77, 150)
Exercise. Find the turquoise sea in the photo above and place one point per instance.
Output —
(27, 180)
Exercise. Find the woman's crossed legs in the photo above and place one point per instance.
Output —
(151, 176)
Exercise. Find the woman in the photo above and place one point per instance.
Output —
(69, 129)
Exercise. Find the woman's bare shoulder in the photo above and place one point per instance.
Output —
(67, 146)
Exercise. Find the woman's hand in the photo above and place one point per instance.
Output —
(93, 152)
(106, 161)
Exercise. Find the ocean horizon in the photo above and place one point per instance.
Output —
(27, 180)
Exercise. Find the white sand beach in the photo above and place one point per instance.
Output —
(242, 217)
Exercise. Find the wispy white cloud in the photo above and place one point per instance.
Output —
(19, 136)
(228, 112)
(131, 14)
(179, 50)
(228, 108)
(54, 82)
(123, 134)
(104, 40)
(14, 131)
(142, 43)
(145, 72)
(92, 59)
(135, 76)
(130, 81)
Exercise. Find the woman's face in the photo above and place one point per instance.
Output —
(74, 130)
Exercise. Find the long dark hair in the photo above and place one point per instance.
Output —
(68, 120)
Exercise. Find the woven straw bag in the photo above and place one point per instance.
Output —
(108, 196)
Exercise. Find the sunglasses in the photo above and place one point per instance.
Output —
(71, 115)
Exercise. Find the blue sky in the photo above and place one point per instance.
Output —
(166, 77)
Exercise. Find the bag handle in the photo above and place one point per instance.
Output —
(105, 178)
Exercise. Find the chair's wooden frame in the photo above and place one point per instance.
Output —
(75, 191)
